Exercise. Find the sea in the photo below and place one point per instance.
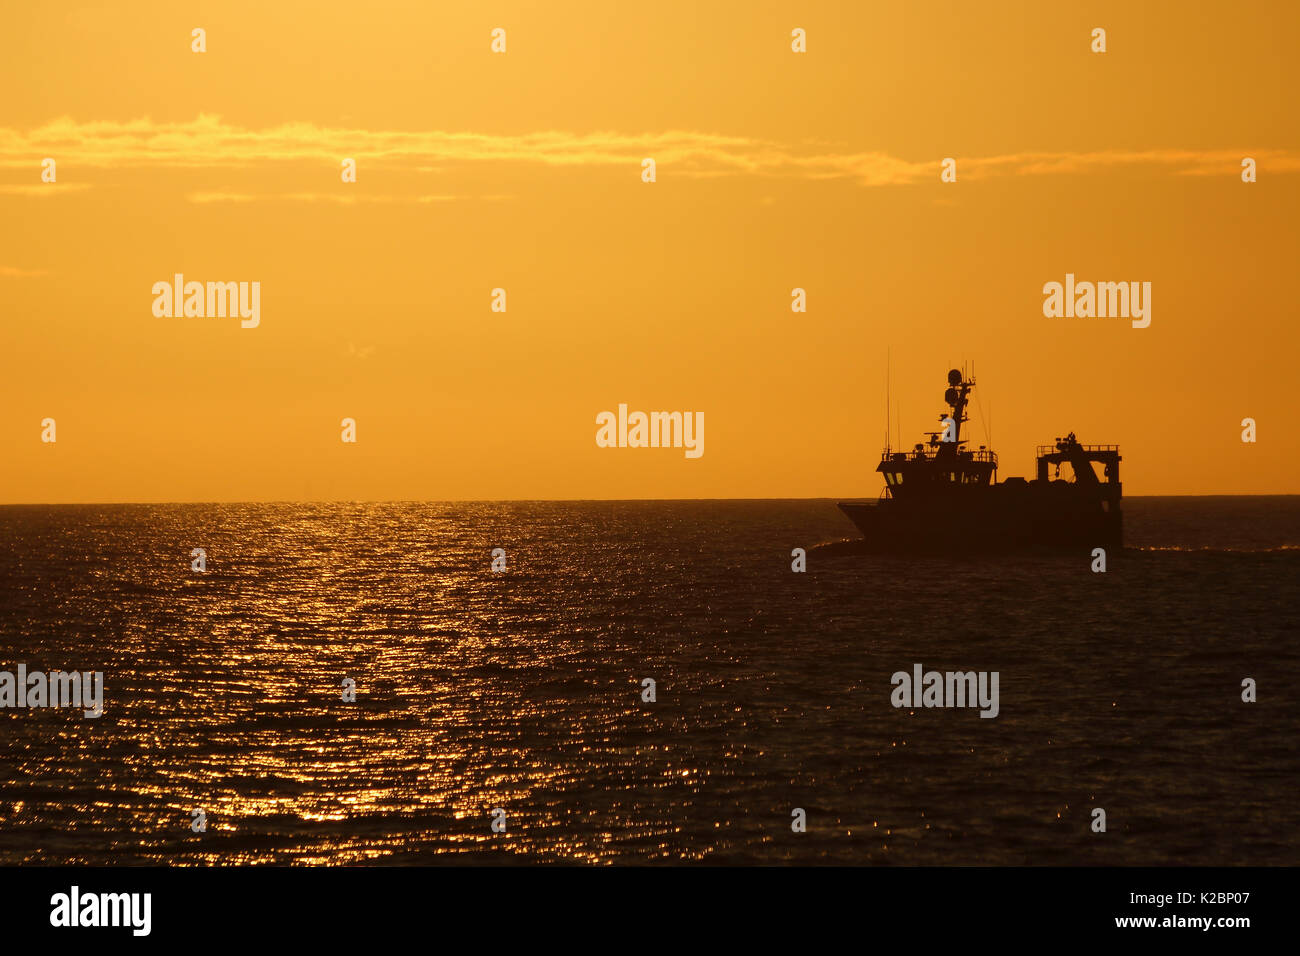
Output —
(641, 683)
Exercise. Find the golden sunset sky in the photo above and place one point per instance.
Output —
(522, 170)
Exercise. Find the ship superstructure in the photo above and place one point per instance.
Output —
(943, 496)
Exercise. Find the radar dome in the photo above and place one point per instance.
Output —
(954, 377)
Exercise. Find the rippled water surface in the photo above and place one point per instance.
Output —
(522, 690)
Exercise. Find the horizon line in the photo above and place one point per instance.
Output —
(420, 501)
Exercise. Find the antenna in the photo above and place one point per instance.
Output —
(897, 437)
(985, 420)
(898, 425)
(887, 353)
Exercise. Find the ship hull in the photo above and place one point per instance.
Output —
(996, 520)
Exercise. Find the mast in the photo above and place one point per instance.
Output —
(887, 448)
(957, 396)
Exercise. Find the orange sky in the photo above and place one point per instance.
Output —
(522, 170)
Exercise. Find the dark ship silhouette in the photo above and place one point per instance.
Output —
(941, 497)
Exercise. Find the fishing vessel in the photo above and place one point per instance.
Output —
(945, 497)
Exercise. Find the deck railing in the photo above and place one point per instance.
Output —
(1052, 449)
(966, 456)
